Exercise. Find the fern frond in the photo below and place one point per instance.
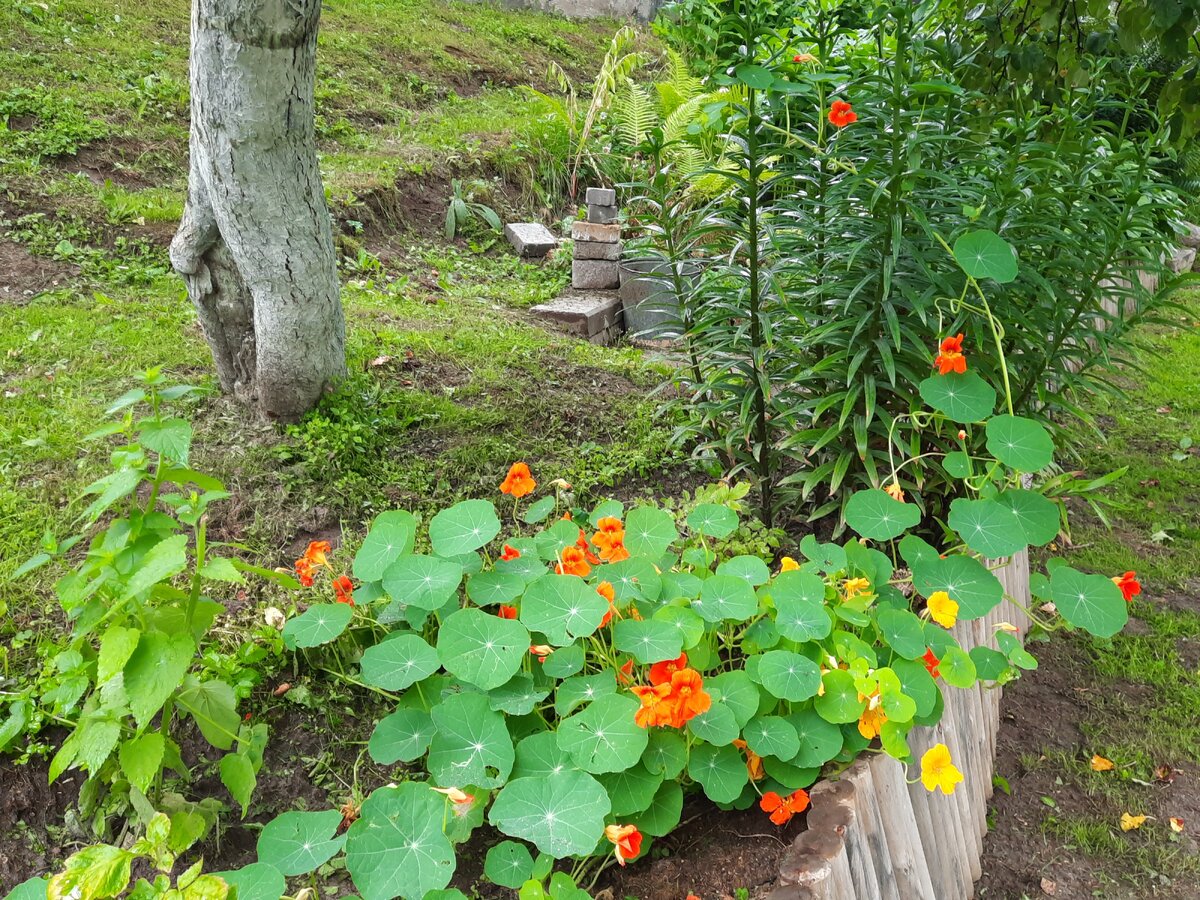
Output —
(634, 113)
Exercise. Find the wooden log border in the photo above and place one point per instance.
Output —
(873, 836)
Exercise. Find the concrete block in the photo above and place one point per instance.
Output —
(1183, 260)
(1192, 238)
(596, 250)
(591, 315)
(595, 275)
(601, 197)
(602, 215)
(591, 231)
(530, 239)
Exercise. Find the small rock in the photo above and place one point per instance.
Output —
(595, 275)
(1183, 260)
(591, 231)
(531, 240)
(601, 197)
(1190, 239)
(602, 215)
(596, 250)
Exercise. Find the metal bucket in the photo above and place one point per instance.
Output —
(651, 306)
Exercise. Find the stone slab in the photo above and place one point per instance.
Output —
(589, 314)
(602, 215)
(1183, 260)
(1192, 237)
(530, 239)
(595, 275)
(591, 231)
(596, 250)
(601, 197)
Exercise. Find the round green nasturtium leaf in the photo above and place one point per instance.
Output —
(724, 597)
(736, 691)
(391, 536)
(689, 626)
(482, 649)
(662, 815)
(666, 754)
(712, 520)
(903, 631)
(820, 740)
(472, 745)
(917, 683)
(1015, 651)
(867, 561)
(800, 613)
(649, 532)
(964, 398)
(399, 660)
(401, 737)
(319, 624)
(750, 569)
(840, 701)
(721, 771)
(762, 635)
(790, 776)
(877, 517)
(1091, 602)
(957, 668)
(987, 527)
(572, 693)
(463, 527)
(893, 738)
(257, 881)
(1020, 443)
(758, 77)
(490, 588)
(508, 864)
(561, 814)
(527, 566)
(957, 464)
(984, 254)
(538, 511)
(563, 662)
(772, 736)
(849, 647)
(425, 582)
(633, 579)
(518, 696)
(604, 737)
(679, 586)
(717, 725)
(33, 889)
(539, 754)
(606, 509)
(1037, 516)
(648, 640)
(969, 583)
(396, 848)
(789, 676)
(554, 540)
(562, 607)
(631, 791)
(990, 664)
(296, 843)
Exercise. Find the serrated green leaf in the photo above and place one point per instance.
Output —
(154, 670)
(140, 758)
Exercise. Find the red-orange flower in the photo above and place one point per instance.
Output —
(950, 356)
(1129, 585)
(841, 114)
(343, 589)
(605, 590)
(754, 763)
(656, 707)
(625, 673)
(509, 553)
(573, 562)
(661, 672)
(582, 544)
(314, 556)
(626, 839)
(541, 651)
(688, 697)
(610, 539)
(507, 612)
(519, 481)
(304, 571)
(783, 808)
(931, 663)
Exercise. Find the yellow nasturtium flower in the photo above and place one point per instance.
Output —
(856, 586)
(787, 564)
(938, 771)
(942, 609)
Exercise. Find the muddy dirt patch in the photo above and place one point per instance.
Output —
(23, 275)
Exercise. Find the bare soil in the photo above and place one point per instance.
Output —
(23, 275)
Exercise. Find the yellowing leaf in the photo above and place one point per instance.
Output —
(1100, 764)
(1176, 824)
(1129, 823)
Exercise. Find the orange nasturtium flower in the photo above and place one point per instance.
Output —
(842, 114)
(754, 763)
(661, 672)
(343, 589)
(893, 491)
(626, 840)
(582, 544)
(1176, 824)
(783, 808)
(507, 612)
(573, 562)
(610, 539)
(950, 356)
(625, 673)
(688, 697)
(314, 556)
(938, 771)
(519, 481)
(541, 651)
(1100, 764)
(1129, 585)
(509, 553)
(605, 590)
(855, 587)
(931, 663)
(942, 609)
(870, 723)
(655, 708)
(787, 564)
(673, 701)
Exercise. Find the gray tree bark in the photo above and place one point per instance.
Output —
(255, 246)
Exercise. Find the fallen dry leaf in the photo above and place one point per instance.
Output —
(282, 689)
(1100, 764)
(1049, 888)
(1177, 824)
(1129, 823)
(1165, 774)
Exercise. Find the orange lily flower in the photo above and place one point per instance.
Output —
(950, 358)
(842, 114)
(518, 482)
(626, 839)
(573, 562)
(783, 808)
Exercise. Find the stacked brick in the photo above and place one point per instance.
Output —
(597, 243)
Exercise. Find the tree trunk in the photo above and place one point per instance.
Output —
(255, 246)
